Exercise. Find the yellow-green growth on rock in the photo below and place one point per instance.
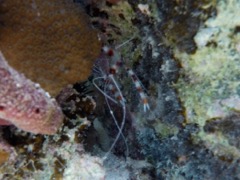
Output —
(210, 86)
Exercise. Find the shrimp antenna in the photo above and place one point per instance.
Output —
(127, 41)
(120, 128)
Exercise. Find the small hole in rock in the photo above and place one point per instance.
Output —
(1, 108)
(37, 110)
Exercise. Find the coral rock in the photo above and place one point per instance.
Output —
(50, 42)
(25, 104)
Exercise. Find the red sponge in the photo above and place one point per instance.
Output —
(26, 105)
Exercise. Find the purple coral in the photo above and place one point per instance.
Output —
(25, 104)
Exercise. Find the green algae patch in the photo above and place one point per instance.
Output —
(210, 80)
(165, 130)
(120, 27)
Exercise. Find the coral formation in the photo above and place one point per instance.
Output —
(51, 42)
(26, 105)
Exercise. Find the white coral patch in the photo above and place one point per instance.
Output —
(84, 167)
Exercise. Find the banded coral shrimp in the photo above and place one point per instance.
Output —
(107, 70)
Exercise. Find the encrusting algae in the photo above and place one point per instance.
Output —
(209, 88)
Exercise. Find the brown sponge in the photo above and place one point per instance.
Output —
(50, 41)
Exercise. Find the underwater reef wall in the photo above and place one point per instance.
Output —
(186, 56)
